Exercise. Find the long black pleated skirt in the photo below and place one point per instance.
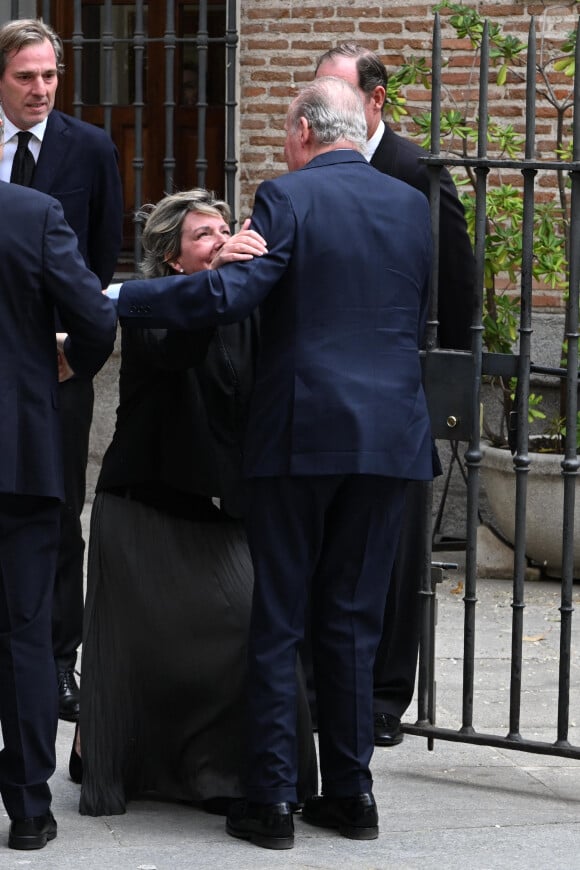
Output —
(167, 613)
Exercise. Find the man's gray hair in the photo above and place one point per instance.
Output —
(27, 31)
(334, 111)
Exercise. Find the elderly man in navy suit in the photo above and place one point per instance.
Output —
(41, 274)
(77, 164)
(338, 425)
(396, 661)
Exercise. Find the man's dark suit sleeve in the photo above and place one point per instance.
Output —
(105, 215)
(456, 271)
(402, 158)
(84, 311)
(456, 282)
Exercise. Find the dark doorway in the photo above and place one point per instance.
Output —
(154, 74)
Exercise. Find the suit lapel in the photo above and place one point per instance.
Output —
(384, 158)
(53, 153)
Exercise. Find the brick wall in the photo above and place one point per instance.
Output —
(279, 44)
(281, 39)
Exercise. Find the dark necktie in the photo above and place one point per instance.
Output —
(23, 164)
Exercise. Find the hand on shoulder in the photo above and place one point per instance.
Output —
(244, 245)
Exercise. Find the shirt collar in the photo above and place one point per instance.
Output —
(37, 131)
(373, 142)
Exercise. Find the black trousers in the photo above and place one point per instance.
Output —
(332, 539)
(396, 659)
(76, 407)
(29, 530)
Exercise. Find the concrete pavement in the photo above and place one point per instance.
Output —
(458, 806)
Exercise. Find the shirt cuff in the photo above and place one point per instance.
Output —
(113, 290)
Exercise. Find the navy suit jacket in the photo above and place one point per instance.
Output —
(78, 166)
(343, 291)
(42, 272)
(401, 158)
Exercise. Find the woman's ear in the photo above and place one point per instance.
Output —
(175, 265)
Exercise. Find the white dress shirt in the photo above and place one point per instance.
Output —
(373, 142)
(11, 144)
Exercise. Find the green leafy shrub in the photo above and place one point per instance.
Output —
(503, 241)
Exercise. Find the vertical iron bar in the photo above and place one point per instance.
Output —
(426, 686)
(77, 46)
(473, 453)
(169, 43)
(107, 64)
(231, 163)
(138, 104)
(431, 340)
(15, 13)
(522, 459)
(570, 463)
(426, 674)
(202, 50)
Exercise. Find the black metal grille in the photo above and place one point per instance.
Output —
(522, 366)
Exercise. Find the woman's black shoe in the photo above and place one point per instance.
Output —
(75, 763)
(218, 806)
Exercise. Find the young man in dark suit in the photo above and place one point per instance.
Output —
(396, 662)
(338, 423)
(77, 164)
(41, 274)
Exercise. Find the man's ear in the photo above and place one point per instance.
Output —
(378, 96)
(305, 131)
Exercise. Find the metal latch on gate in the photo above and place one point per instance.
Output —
(448, 377)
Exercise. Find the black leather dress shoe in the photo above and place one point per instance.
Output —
(354, 817)
(68, 696)
(268, 825)
(32, 833)
(387, 730)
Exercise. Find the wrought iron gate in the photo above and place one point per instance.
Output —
(519, 366)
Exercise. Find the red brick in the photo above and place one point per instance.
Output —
(278, 47)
